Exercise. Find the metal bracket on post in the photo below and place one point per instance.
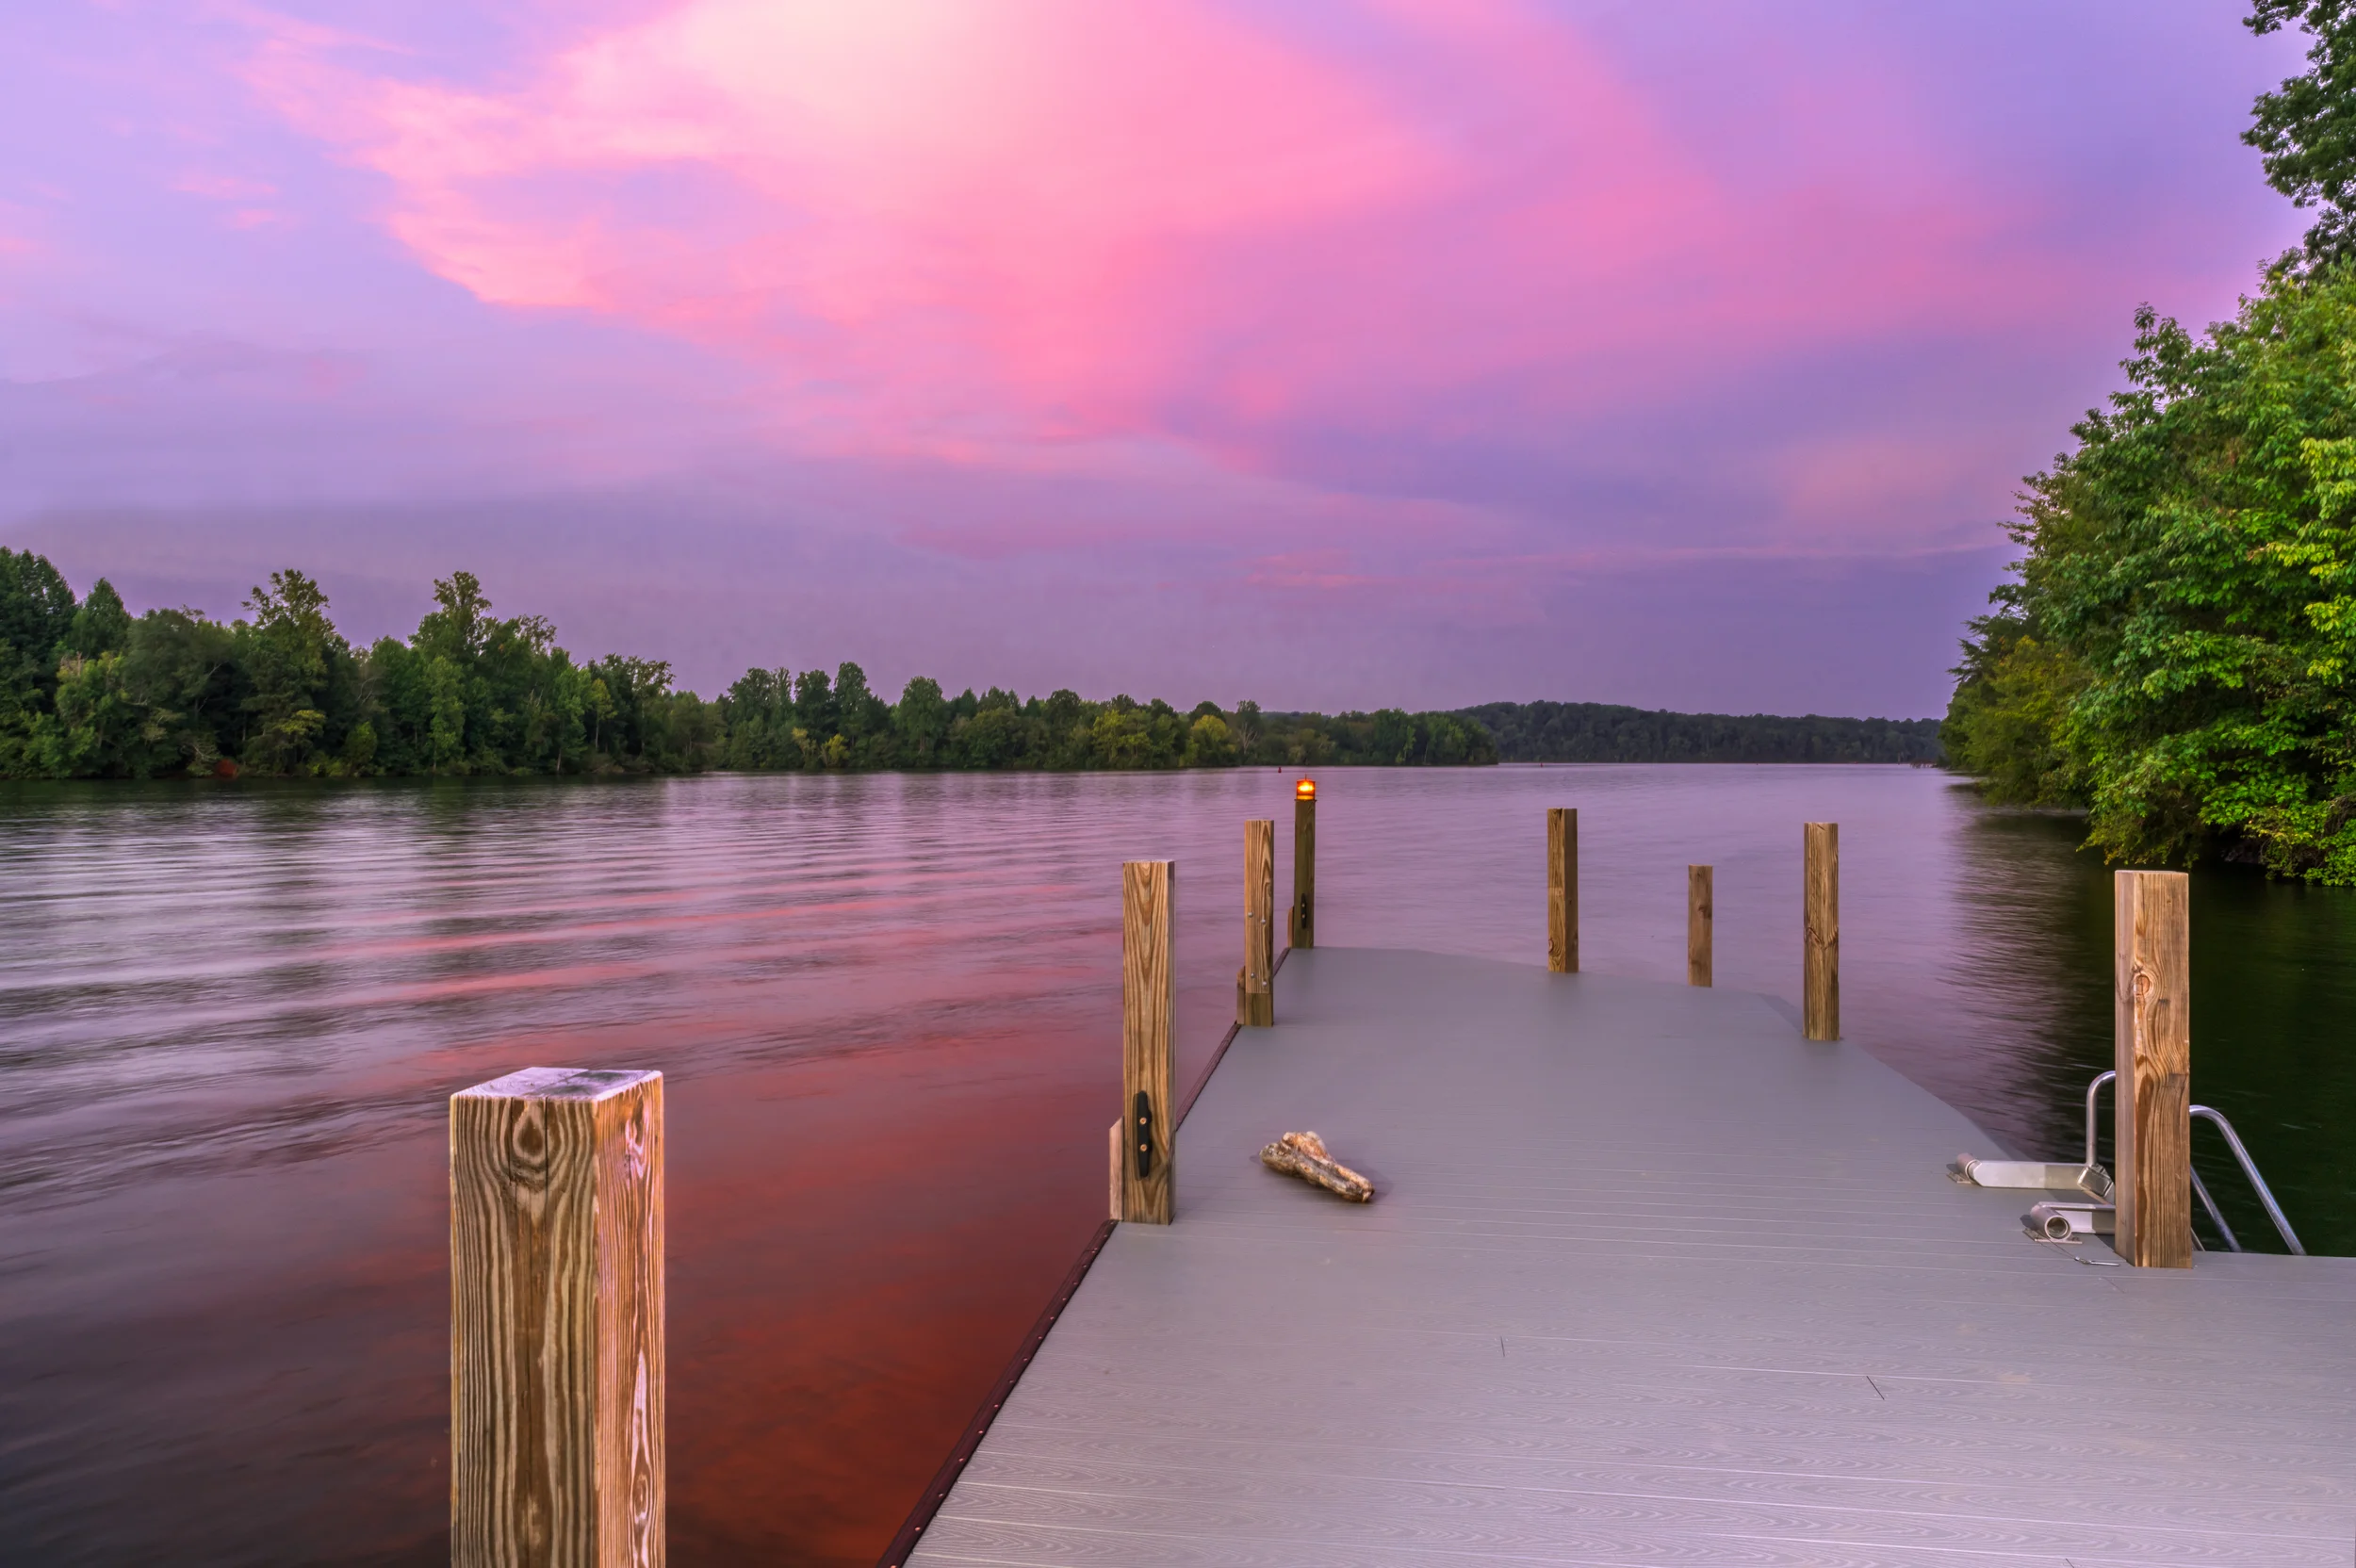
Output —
(1143, 1115)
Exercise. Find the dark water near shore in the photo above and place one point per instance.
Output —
(887, 1008)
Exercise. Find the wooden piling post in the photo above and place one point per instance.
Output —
(556, 1320)
(1256, 1006)
(2152, 1013)
(1301, 926)
(1698, 914)
(1820, 961)
(1561, 890)
(1148, 1019)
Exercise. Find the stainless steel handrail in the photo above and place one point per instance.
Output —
(2233, 1142)
(2200, 1190)
(2249, 1169)
(2217, 1217)
(2092, 1089)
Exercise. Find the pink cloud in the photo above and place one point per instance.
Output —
(1050, 219)
(1057, 235)
(1323, 570)
(965, 223)
(1844, 487)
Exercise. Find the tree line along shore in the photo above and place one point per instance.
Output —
(2177, 653)
(88, 691)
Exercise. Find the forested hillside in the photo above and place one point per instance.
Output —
(1601, 732)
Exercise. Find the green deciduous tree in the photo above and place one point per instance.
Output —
(2306, 129)
(36, 616)
(2012, 693)
(292, 654)
(2179, 654)
(2181, 651)
(1209, 744)
(102, 625)
(182, 670)
(813, 706)
(921, 721)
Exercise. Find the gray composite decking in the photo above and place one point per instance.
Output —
(1649, 1280)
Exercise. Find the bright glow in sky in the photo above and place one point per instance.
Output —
(1336, 353)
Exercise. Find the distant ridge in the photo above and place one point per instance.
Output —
(1605, 732)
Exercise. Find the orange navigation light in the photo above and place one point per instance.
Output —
(1306, 789)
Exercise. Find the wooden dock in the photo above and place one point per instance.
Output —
(1651, 1280)
(1656, 1275)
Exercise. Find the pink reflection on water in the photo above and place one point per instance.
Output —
(888, 1011)
(869, 1239)
(234, 1024)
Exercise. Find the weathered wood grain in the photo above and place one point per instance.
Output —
(557, 1322)
(1257, 1005)
(1561, 890)
(1305, 1155)
(1112, 1193)
(1699, 912)
(1820, 962)
(1302, 923)
(1148, 1022)
(2152, 1013)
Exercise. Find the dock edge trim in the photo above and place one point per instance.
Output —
(936, 1490)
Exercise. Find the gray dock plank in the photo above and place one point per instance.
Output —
(1650, 1281)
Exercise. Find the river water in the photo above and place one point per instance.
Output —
(888, 1012)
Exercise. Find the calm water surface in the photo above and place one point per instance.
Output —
(887, 1008)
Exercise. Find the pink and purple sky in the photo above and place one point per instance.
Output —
(1331, 352)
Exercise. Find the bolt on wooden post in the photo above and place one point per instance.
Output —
(1255, 1005)
(1698, 914)
(1820, 959)
(1148, 1019)
(1561, 890)
(2151, 1014)
(1300, 926)
(556, 1320)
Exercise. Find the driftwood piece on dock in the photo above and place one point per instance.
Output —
(1303, 1154)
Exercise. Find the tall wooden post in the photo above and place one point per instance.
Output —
(1147, 1017)
(1302, 925)
(1820, 961)
(1561, 890)
(556, 1320)
(2152, 1013)
(1256, 1006)
(1698, 914)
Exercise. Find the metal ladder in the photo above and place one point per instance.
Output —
(2249, 1168)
